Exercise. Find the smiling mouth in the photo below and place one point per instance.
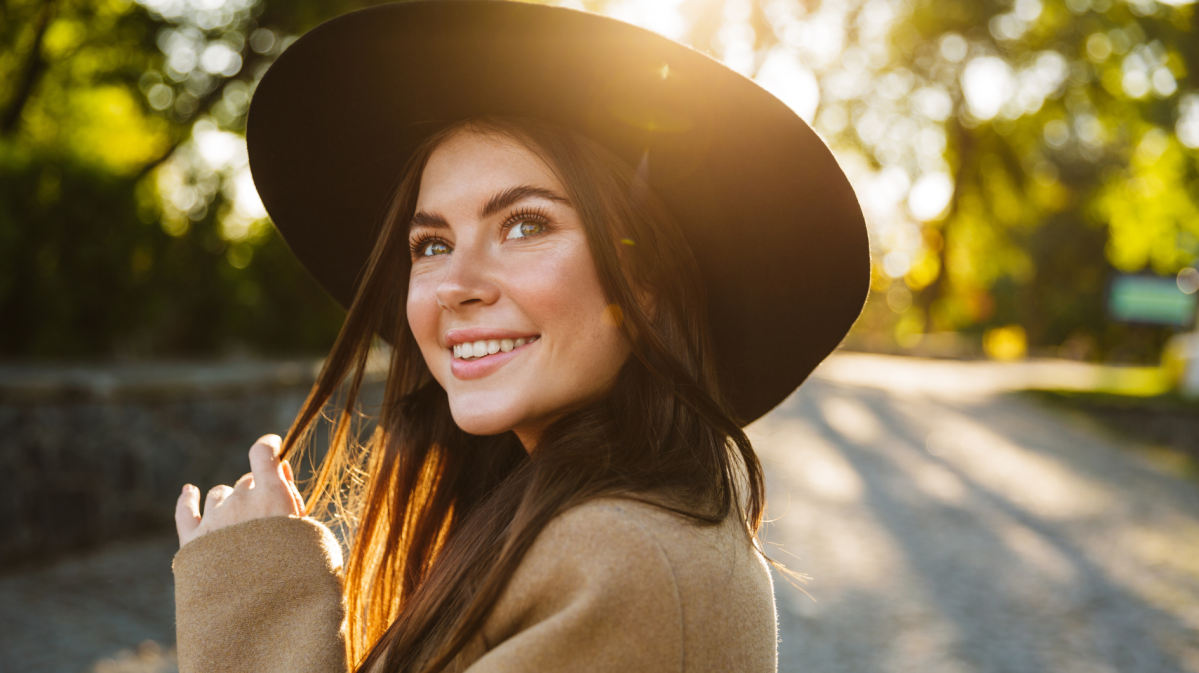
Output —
(477, 350)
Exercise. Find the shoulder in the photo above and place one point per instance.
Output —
(714, 576)
(621, 585)
(632, 545)
(594, 592)
(625, 542)
(606, 544)
(653, 537)
(611, 527)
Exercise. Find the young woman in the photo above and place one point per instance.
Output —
(604, 253)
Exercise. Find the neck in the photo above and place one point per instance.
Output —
(528, 437)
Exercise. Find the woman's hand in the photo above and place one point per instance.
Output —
(269, 489)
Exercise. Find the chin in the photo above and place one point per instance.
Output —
(484, 421)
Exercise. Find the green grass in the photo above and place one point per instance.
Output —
(1172, 401)
(1128, 416)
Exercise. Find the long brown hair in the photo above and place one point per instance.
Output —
(440, 518)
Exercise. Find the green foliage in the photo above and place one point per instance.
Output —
(127, 224)
(1150, 208)
(1092, 181)
(1068, 130)
(97, 275)
(97, 150)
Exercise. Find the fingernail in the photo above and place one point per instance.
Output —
(188, 487)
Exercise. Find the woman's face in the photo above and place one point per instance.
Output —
(504, 299)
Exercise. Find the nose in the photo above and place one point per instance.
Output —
(466, 281)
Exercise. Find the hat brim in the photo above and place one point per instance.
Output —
(771, 218)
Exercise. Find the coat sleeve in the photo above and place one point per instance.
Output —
(595, 594)
(264, 595)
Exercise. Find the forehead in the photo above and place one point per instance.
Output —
(469, 167)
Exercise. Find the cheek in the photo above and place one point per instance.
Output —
(562, 294)
(564, 297)
(423, 314)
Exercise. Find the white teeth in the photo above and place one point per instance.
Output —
(478, 349)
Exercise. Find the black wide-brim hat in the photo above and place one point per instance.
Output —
(770, 216)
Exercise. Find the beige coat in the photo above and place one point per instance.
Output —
(612, 586)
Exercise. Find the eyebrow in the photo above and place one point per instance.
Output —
(430, 220)
(514, 195)
(495, 204)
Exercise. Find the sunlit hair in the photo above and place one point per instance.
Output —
(441, 519)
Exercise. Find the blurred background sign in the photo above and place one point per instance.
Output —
(1151, 300)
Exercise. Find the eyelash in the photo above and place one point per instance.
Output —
(418, 244)
(526, 215)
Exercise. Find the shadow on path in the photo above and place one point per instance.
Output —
(998, 610)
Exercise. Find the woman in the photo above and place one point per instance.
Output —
(558, 479)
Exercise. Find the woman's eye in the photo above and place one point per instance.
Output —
(525, 229)
(434, 248)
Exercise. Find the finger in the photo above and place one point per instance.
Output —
(290, 478)
(187, 514)
(265, 463)
(216, 495)
(296, 498)
(301, 508)
(297, 502)
(245, 482)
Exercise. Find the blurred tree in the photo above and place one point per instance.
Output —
(128, 222)
(1010, 154)
(1069, 145)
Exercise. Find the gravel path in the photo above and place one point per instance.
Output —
(111, 610)
(945, 526)
(948, 527)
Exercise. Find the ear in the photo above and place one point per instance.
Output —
(646, 299)
(614, 315)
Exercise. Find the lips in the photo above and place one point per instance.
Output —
(478, 352)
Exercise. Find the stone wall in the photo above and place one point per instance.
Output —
(90, 454)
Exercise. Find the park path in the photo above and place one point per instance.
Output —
(945, 525)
